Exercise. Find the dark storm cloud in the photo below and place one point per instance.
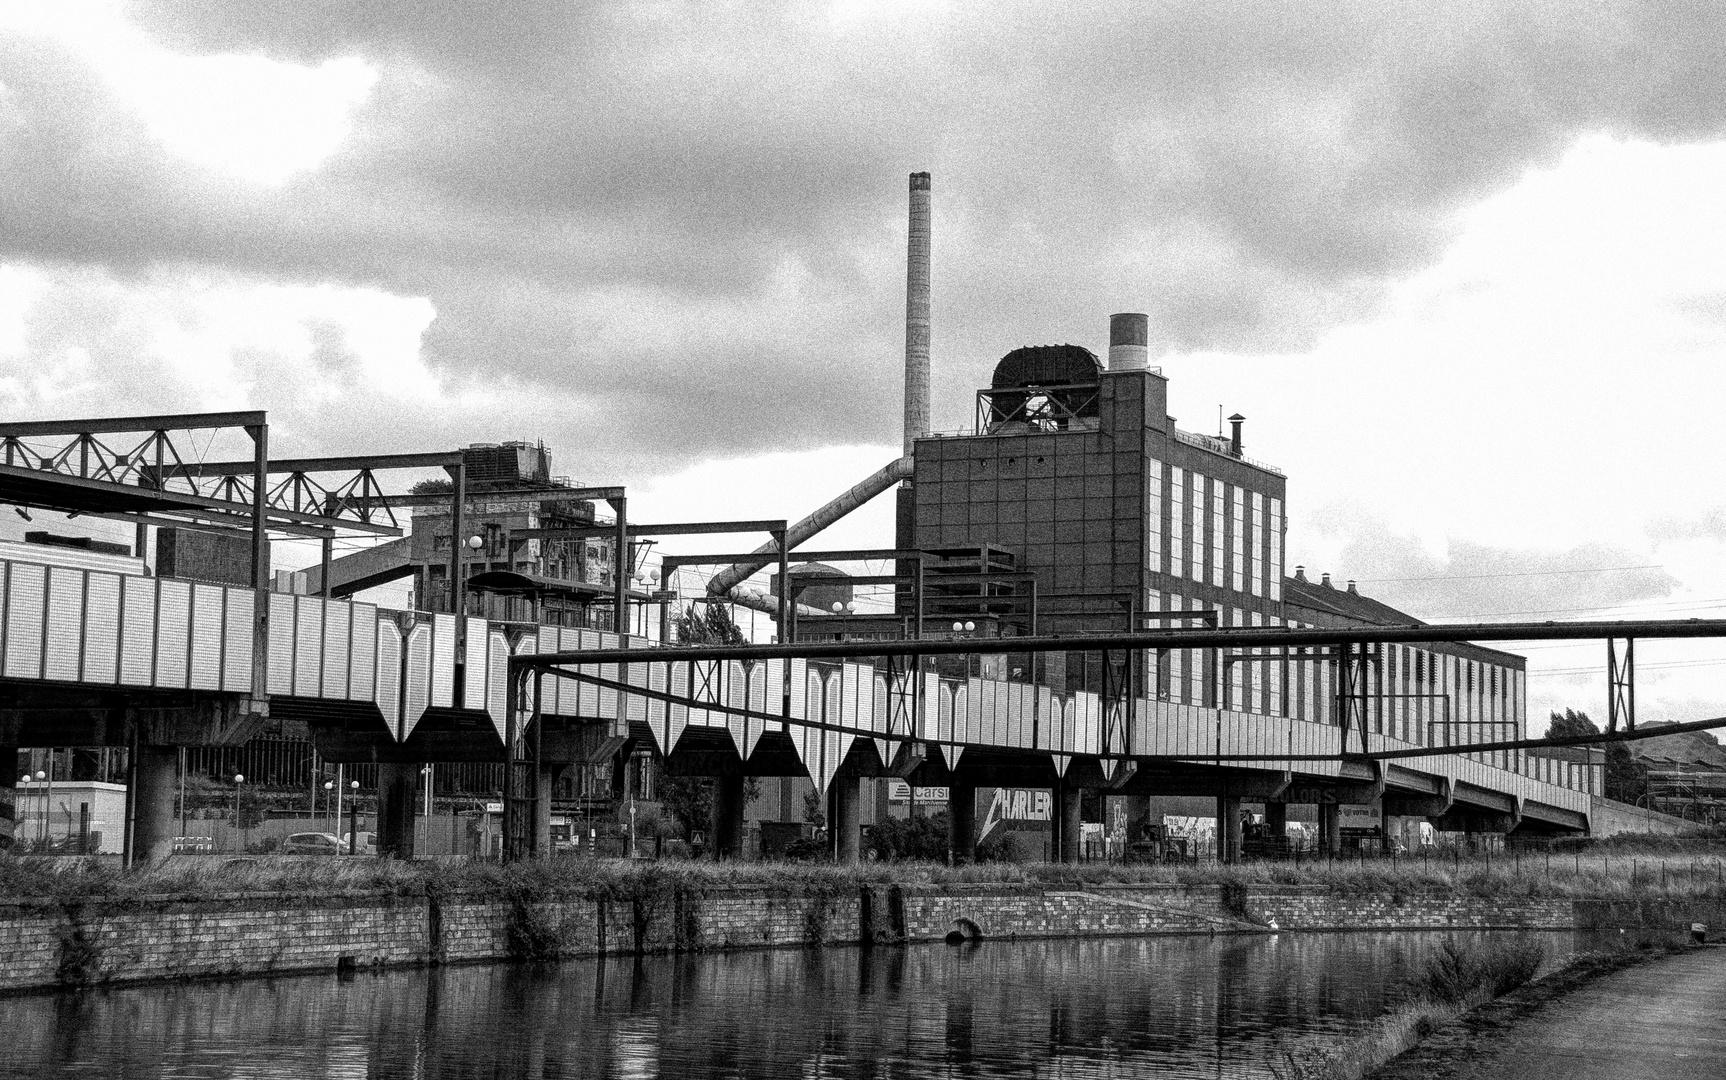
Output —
(1483, 581)
(696, 210)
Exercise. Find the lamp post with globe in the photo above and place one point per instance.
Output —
(239, 778)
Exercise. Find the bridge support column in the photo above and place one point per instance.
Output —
(396, 809)
(1069, 802)
(549, 771)
(155, 775)
(1277, 820)
(847, 818)
(1330, 829)
(8, 796)
(727, 822)
(1138, 819)
(961, 823)
(1229, 828)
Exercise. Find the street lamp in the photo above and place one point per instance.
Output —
(329, 786)
(46, 796)
(239, 778)
(353, 816)
(458, 604)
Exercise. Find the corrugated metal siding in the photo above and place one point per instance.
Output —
(338, 650)
(418, 677)
(65, 624)
(206, 659)
(442, 660)
(237, 641)
(497, 682)
(362, 666)
(138, 628)
(386, 686)
(26, 587)
(308, 645)
(173, 631)
(102, 629)
(478, 669)
(281, 680)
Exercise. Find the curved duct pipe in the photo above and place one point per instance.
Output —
(732, 576)
(764, 601)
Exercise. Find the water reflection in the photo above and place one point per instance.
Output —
(1170, 1006)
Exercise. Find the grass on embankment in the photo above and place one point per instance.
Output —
(1445, 997)
(1687, 875)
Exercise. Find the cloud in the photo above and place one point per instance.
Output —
(685, 222)
(1469, 580)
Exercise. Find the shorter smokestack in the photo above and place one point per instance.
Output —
(1128, 334)
(1325, 581)
(1235, 422)
(1351, 587)
(1300, 573)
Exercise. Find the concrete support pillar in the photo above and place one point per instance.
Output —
(1330, 829)
(961, 822)
(549, 771)
(846, 820)
(157, 777)
(727, 824)
(1229, 828)
(1277, 820)
(1388, 824)
(396, 804)
(1138, 819)
(1069, 802)
(9, 773)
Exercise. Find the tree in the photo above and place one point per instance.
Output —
(433, 487)
(1570, 724)
(1626, 778)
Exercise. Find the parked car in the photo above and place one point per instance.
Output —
(367, 845)
(311, 843)
(194, 845)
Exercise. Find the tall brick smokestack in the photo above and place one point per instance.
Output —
(917, 314)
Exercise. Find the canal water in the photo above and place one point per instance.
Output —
(1118, 1007)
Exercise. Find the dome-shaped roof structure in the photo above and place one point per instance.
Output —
(1046, 365)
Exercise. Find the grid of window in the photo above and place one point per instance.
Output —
(1153, 670)
(1255, 699)
(1195, 667)
(1154, 508)
(1278, 678)
(1237, 689)
(1276, 540)
(1177, 659)
(1177, 530)
(1196, 563)
(1255, 563)
(1216, 532)
(1238, 549)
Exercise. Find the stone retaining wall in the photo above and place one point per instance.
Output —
(47, 945)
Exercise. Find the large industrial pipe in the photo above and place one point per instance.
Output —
(733, 576)
(917, 314)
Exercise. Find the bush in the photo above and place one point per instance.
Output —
(1459, 972)
(919, 838)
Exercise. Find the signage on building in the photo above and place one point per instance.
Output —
(1016, 804)
(900, 791)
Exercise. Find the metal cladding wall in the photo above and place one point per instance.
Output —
(69, 624)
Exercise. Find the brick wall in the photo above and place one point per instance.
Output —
(47, 945)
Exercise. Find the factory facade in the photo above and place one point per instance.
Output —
(1125, 521)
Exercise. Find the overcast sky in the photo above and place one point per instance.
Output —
(1464, 272)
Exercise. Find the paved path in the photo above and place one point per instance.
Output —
(1665, 1020)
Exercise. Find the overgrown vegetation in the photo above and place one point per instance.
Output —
(1455, 977)
(1609, 875)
